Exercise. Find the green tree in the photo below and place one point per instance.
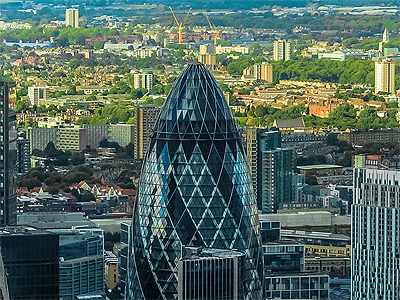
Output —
(22, 105)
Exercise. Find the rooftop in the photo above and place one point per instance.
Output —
(22, 230)
(314, 235)
(189, 253)
(290, 123)
(320, 167)
(296, 274)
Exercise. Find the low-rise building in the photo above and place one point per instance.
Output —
(290, 126)
(319, 111)
(302, 285)
(360, 138)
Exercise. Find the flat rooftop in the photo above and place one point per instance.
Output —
(190, 253)
(314, 235)
(319, 167)
(22, 230)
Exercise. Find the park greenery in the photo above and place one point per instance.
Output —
(344, 117)
(115, 112)
(349, 71)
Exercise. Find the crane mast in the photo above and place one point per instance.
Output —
(180, 24)
(212, 28)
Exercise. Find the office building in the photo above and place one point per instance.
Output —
(297, 286)
(123, 256)
(271, 168)
(111, 270)
(38, 94)
(30, 259)
(270, 230)
(23, 155)
(143, 81)
(55, 220)
(385, 77)
(195, 191)
(72, 17)
(210, 274)
(375, 236)
(284, 263)
(145, 119)
(335, 267)
(81, 262)
(283, 255)
(8, 154)
(281, 50)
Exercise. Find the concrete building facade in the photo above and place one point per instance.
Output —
(38, 94)
(143, 81)
(281, 50)
(71, 138)
(385, 77)
(72, 17)
(145, 118)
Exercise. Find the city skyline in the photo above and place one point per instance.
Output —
(186, 150)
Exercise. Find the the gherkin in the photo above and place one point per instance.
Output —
(195, 190)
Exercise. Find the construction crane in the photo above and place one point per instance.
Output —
(212, 28)
(180, 24)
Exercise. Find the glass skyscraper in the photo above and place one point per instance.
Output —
(195, 190)
(8, 154)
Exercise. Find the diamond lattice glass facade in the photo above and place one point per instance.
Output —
(195, 190)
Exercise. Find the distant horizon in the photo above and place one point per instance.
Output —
(219, 3)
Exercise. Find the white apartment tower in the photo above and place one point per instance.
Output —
(281, 50)
(375, 237)
(72, 17)
(385, 77)
(37, 94)
(143, 80)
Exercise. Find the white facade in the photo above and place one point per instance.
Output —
(375, 272)
(37, 93)
(143, 80)
(281, 50)
(385, 77)
(72, 17)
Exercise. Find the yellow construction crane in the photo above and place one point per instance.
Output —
(213, 28)
(180, 24)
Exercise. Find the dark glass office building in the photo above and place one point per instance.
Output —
(8, 154)
(206, 273)
(30, 258)
(195, 190)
